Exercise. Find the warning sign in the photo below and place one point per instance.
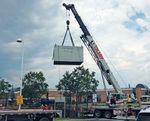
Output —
(19, 100)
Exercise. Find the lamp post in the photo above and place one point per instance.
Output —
(6, 98)
(22, 65)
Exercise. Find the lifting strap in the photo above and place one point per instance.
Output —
(68, 30)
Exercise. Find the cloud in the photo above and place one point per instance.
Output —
(144, 24)
(120, 29)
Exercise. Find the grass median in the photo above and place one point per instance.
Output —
(67, 119)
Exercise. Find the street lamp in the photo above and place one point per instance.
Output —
(22, 65)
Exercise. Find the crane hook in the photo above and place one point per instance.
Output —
(67, 22)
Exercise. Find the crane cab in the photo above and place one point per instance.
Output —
(116, 99)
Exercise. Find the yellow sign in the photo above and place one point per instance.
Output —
(19, 100)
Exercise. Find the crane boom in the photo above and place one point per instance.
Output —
(94, 50)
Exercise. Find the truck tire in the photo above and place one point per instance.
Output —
(108, 114)
(97, 114)
(44, 119)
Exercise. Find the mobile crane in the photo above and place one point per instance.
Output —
(94, 51)
(99, 59)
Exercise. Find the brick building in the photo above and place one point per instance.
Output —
(101, 93)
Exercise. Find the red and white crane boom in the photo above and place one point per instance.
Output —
(94, 50)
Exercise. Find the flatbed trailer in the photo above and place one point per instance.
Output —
(29, 115)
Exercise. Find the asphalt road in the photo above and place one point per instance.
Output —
(94, 119)
(106, 120)
(101, 120)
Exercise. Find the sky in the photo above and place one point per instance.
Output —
(121, 29)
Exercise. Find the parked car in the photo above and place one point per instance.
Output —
(144, 114)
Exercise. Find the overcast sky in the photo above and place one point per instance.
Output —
(121, 29)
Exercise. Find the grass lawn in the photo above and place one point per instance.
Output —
(66, 119)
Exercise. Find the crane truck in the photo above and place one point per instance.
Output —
(96, 54)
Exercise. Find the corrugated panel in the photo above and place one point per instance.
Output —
(67, 55)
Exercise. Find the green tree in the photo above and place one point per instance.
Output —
(80, 82)
(34, 85)
(4, 88)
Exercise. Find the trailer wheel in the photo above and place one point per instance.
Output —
(108, 114)
(44, 119)
(97, 113)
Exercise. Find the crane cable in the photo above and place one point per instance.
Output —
(68, 29)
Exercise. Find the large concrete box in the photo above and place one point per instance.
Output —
(67, 55)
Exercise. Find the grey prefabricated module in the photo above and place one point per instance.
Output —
(68, 55)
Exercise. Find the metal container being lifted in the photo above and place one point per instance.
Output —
(67, 55)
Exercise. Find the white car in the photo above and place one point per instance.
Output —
(144, 114)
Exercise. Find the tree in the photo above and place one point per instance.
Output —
(34, 85)
(4, 86)
(4, 90)
(78, 83)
